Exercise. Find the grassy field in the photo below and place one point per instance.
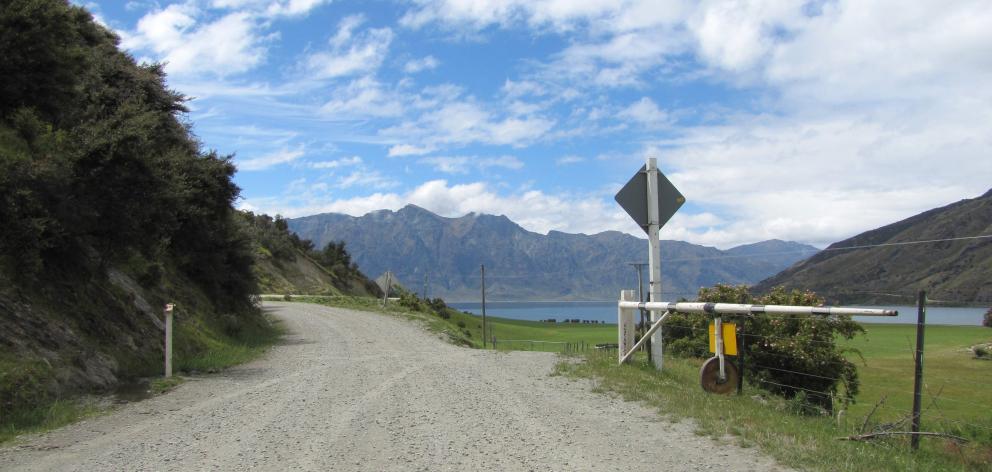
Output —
(957, 388)
(517, 334)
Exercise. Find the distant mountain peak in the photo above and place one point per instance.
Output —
(420, 247)
(411, 208)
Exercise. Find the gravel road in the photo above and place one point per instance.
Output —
(349, 390)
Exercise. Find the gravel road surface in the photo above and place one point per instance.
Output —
(349, 390)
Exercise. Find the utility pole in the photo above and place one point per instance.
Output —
(639, 267)
(483, 306)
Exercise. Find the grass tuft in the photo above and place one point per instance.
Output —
(45, 418)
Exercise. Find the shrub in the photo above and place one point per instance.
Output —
(987, 321)
(982, 351)
(786, 355)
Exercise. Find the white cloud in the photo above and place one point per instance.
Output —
(425, 63)
(408, 150)
(515, 89)
(822, 180)
(361, 98)
(568, 160)
(230, 45)
(366, 179)
(534, 210)
(337, 163)
(293, 7)
(269, 160)
(646, 112)
(351, 53)
(463, 164)
(465, 122)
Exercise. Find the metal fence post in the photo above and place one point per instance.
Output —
(921, 321)
(741, 347)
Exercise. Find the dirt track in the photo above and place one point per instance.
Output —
(349, 390)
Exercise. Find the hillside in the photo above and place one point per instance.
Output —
(110, 209)
(521, 265)
(956, 272)
(286, 264)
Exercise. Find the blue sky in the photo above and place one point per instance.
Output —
(808, 121)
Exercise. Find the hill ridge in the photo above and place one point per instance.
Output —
(956, 270)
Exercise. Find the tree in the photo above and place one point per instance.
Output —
(97, 165)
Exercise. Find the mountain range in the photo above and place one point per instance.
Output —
(444, 255)
(946, 251)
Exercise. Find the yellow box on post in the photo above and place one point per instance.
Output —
(729, 338)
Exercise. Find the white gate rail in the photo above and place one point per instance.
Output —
(745, 309)
(627, 306)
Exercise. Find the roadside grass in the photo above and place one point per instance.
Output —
(449, 328)
(45, 417)
(161, 385)
(26, 407)
(770, 423)
(201, 348)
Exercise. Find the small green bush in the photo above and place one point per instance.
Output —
(787, 355)
(982, 351)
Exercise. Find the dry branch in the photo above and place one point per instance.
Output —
(865, 437)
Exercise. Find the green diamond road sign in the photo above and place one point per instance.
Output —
(633, 198)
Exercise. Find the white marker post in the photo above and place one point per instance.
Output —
(168, 339)
(654, 258)
(625, 323)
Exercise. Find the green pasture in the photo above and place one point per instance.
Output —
(515, 334)
(957, 389)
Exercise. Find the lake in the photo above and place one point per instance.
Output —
(607, 312)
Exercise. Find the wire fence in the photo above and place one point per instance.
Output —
(958, 402)
(564, 347)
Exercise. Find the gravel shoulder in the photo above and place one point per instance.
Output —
(348, 390)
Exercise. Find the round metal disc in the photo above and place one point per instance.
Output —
(709, 376)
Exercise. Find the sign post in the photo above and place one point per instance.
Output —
(168, 339)
(651, 200)
(654, 258)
